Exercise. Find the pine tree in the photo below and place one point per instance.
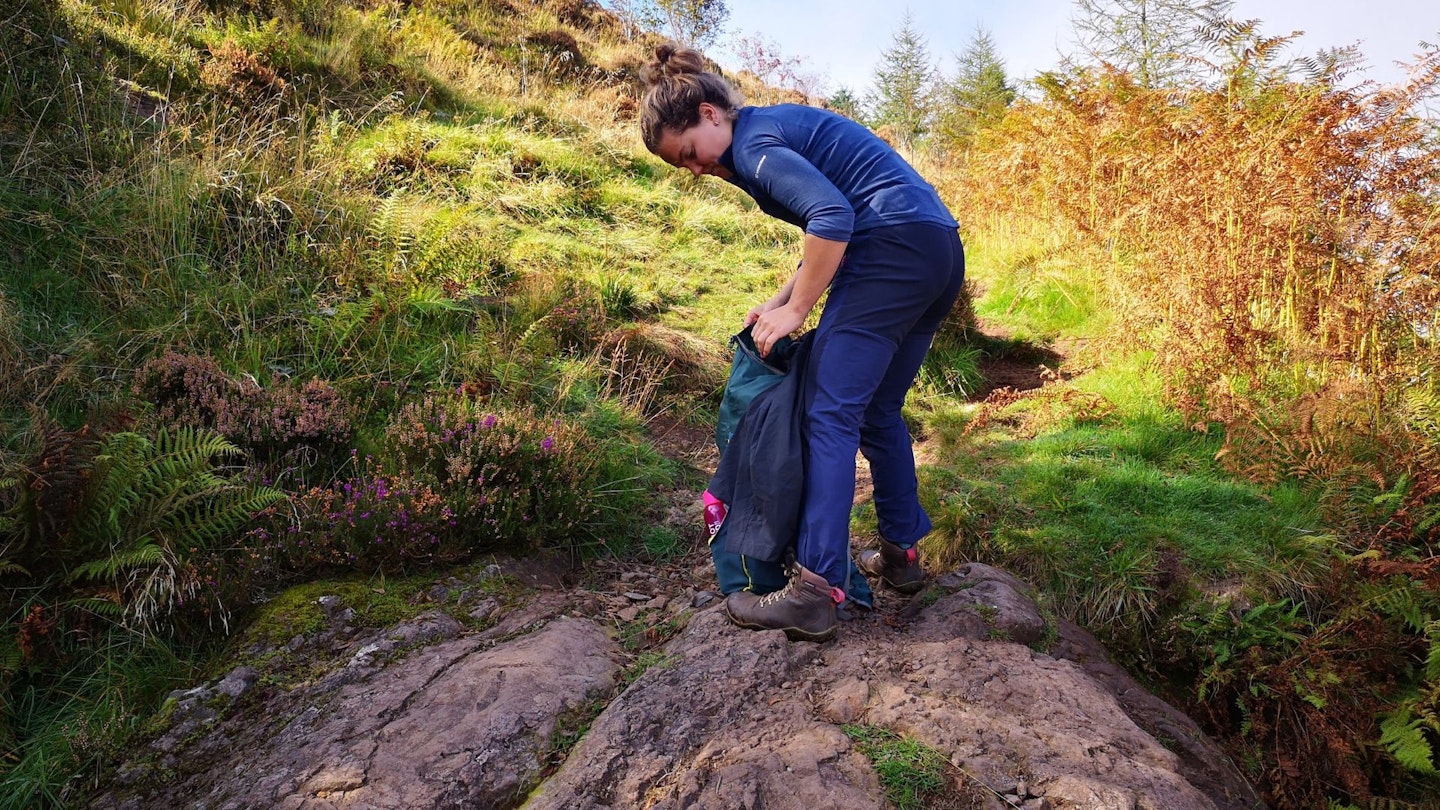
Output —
(904, 85)
(1156, 41)
(978, 94)
(844, 102)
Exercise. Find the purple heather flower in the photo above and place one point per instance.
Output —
(547, 444)
(489, 421)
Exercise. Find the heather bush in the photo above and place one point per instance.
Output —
(513, 479)
(240, 78)
(452, 479)
(268, 422)
(369, 520)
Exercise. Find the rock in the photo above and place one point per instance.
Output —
(1201, 760)
(456, 724)
(427, 627)
(996, 599)
(846, 701)
(237, 682)
(424, 714)
(336, 614)
(688, 735)
(484, 610)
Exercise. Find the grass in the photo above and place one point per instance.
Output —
(1119, 517)
(909, 771)
(78, 720)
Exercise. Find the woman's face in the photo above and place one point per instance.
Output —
(699, 148)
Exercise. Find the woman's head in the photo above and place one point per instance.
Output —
(681, 96)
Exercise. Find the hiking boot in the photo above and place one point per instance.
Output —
(804, 608)
(895, 566)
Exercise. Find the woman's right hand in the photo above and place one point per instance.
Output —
(754, 315)
(779, 299)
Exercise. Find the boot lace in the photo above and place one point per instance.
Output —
(776, 596)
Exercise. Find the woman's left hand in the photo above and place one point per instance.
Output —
(773, 325)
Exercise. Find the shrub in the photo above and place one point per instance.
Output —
(270, 422)
(452, 479)
(370, 521)
(512, 479)
(239, 77)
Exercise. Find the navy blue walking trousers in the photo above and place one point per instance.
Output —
(890, 295)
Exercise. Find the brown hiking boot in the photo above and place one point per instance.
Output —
(895, 566)
(804, 608)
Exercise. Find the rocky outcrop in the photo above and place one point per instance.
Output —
(1024, 714)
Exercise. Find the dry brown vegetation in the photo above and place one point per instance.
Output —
(1275, 242)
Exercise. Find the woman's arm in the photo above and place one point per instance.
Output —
(793, 303)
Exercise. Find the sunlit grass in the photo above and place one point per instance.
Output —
(1117, 517)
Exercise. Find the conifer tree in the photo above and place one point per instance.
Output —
(904, 85)
(844, 102)
(976, 96)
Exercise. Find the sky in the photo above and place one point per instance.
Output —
(843, 39)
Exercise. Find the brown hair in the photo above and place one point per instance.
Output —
(677, 84)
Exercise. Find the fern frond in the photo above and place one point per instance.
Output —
(100, 607)
(11, 656)
(429, 246)
(154, 504)
(1432, 658)
(390, 228)
(194, 448)
(429, 301)
(1402, 599)
(110, 567)
(1403, 735)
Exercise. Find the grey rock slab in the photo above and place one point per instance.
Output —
(724, 718)
(463, 723)
(1202, 761)
(711, 727)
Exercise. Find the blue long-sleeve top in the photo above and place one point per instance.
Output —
(827, 174)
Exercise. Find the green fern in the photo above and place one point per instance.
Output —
(427, 301)
(113, 566)
(391, 230)
(1403, 598)
(152, 506)
(1403, 735)
(11, 656)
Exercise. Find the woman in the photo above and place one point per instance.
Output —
(879, 238)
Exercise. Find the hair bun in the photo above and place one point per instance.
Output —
(672, 60)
